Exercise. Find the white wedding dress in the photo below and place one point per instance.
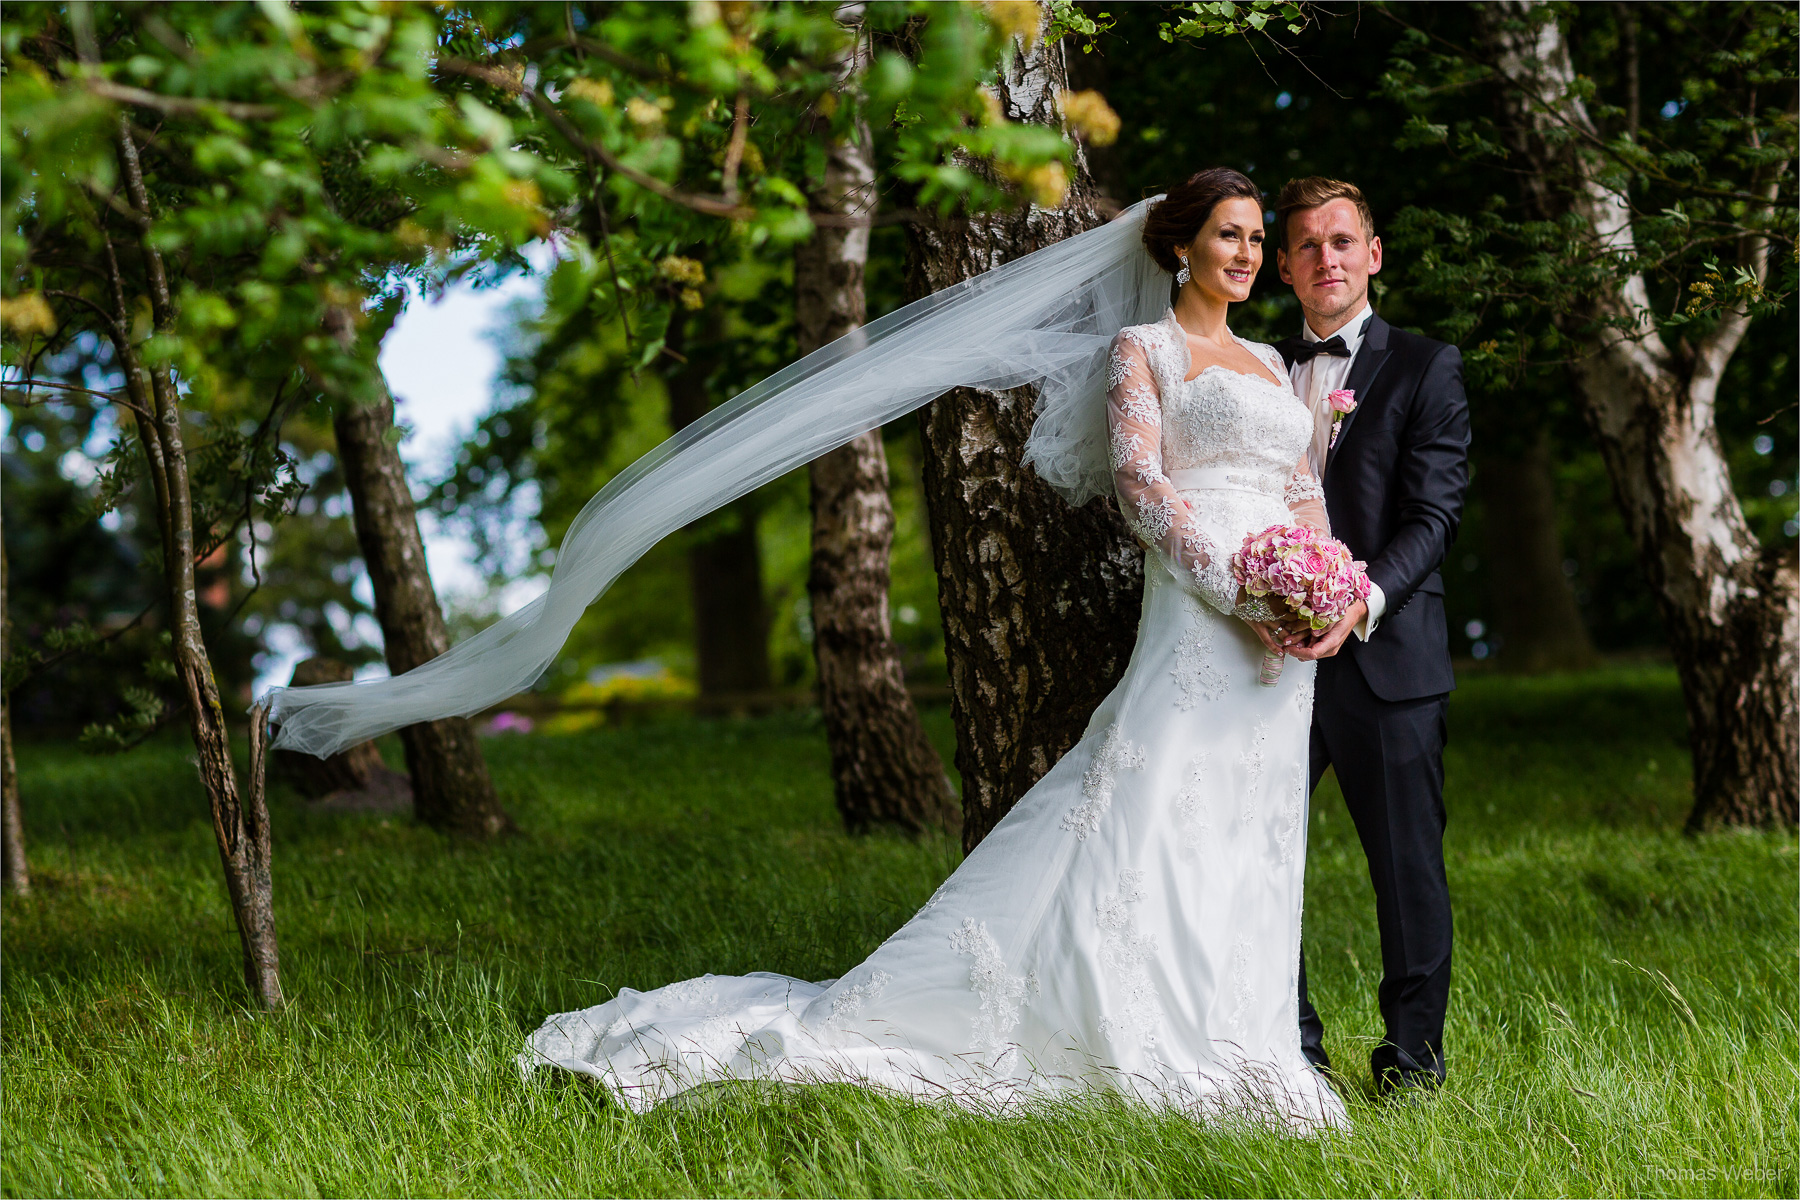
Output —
(1133, 924)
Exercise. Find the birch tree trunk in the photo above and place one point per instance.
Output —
(240, 820)
(15, 874)
(451, 787)
(884, 769)
(1040, 600)
(1731, 606)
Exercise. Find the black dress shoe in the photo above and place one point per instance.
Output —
(1397, 1073)
(1417, 1088)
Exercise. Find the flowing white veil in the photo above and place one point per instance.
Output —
(1048, 316)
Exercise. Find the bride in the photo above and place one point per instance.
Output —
(1133, 924)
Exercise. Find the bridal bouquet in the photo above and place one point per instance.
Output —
(1310, 572)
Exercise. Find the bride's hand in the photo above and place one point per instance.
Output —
(1269, 633)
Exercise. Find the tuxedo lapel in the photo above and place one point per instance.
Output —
(1370, 358)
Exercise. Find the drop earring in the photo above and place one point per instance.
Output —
(1183, 275)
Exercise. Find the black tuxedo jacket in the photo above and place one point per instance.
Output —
(1394, 488)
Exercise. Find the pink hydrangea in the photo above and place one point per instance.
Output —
(1312, 572)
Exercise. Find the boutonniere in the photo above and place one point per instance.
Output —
(1341, 401)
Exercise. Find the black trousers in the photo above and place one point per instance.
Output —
(1390, 765)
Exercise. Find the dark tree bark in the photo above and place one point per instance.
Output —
(240, 821)
(884, 769)
(354, 778)
(731, 616)
(1731, 606)
(1534, 607)
(451, 787)
(15, 873)
(1040, 600)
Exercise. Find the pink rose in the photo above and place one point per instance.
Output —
(1342, 401)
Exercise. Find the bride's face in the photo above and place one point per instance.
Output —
(1226, 254)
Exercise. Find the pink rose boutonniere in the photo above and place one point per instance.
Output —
(1341, 401)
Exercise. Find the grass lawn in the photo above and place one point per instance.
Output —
(1622, 1020)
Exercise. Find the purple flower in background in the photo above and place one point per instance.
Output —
(509, 722)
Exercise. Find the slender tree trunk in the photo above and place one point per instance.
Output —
(451, 787)
(1730, 605)
(1534, 606)
(16, 875)
(883, 767)
(1040, 600)
(731, 616)
(240, 822)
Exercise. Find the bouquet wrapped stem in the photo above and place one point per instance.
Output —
(1310, 574)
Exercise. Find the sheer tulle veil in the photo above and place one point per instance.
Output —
(1048, 317)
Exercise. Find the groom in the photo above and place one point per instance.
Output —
(1394, 469)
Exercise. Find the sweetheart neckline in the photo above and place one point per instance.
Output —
(1260, 378)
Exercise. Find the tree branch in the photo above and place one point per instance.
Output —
(712, 206)
(734, 149)
(179, 104)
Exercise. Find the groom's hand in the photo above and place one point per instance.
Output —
(1329, 641)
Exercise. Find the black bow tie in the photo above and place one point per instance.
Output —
(1333, 345)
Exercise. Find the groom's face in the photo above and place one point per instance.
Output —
(1328, 260)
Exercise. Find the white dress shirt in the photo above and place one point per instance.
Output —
(1312, 381)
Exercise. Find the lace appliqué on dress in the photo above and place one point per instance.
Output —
(1190, 804)
(1293, 810)
(1155, 514)
(715, 1034)
(1196, 671)
(1002, 995)
(1252, 762)
(1303, 695)
(1212, 571)
(1243, 993)
(1114, 755)
(848, 1004)
(1127, 953)
(1117, 369)
(1302, 488)
(1125, 446)
(1141, 404)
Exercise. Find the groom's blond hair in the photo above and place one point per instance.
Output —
(1315, 190)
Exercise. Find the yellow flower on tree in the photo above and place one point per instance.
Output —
(1016, 18)
(677, 269)
(1091, 117)
(27, 314)
(598, 92)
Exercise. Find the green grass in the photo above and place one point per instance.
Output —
(1622, 1019)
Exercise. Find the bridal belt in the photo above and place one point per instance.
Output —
(1198, 479)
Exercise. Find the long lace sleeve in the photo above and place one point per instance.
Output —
(1153, 508)
(1306, 498)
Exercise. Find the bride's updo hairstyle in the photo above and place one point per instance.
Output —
(1175, 220)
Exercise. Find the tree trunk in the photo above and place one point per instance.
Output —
(731, 617)
(240, 823)
(1731, 606)
(15, 874)
(1534, 607)
(450, 783)
(1040, 600)
(884, 769)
